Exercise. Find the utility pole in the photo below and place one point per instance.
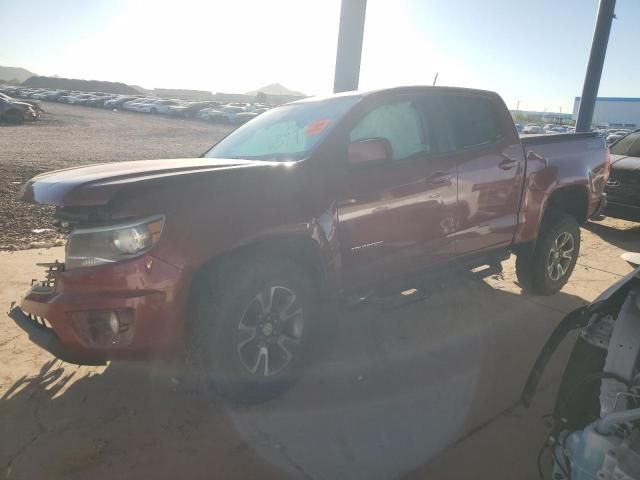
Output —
(347, 73)
(606, 14)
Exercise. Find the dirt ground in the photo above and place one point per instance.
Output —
(69, 135)
(425, 391)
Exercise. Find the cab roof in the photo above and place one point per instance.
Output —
(397, 91)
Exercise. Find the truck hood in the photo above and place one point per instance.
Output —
(624, 162)
(97, 184)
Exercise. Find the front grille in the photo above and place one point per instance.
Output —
(39, 320)
(624, 186)
(48, 285)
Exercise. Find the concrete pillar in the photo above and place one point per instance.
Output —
(347, 74)
(596, 62)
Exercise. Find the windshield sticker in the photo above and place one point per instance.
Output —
(316, 127)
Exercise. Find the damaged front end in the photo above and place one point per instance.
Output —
(596, 418)
(110, 299)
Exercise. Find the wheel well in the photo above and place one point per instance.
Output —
(296, 248)
(572, 200)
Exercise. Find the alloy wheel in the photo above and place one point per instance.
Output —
(560, 256)
(270, 331)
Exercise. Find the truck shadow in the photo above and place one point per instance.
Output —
(122, 421)
(626, 237)
(387, 391)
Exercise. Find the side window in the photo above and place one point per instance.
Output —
(400, 123)
(473, 120)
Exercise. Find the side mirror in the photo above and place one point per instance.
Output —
(369, 151)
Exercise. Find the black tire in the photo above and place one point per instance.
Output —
(231, 335)
(544, 270)
(13, 116)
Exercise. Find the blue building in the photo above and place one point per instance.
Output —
(614, 111)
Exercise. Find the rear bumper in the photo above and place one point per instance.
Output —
(153, 294)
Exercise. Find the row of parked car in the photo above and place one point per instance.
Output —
(233, 113)
(611, 134)
(549, 128)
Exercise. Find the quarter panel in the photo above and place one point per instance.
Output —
(554, 165)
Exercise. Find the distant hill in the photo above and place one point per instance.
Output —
(15, 74)
(142, 90)
(276, 89)
(81, 85)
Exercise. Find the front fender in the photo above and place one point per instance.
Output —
(319, 234)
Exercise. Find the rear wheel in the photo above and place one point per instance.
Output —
(253, 323)
(546, 268)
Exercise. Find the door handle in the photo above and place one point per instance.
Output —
(507, 164)
(439, 178)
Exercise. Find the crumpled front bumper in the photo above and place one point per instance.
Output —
(44, 336)
(60, 313)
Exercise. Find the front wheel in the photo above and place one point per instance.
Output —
(253, 324)
(546, 268)
(14, 116)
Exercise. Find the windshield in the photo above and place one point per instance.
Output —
(629, 145)
(286, 133)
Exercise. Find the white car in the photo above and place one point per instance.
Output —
(79, 98)
(42, 95)
(533, 129)
(229, 113)
(212, 114)
(133, 105)
(614, 137)
(160, 106)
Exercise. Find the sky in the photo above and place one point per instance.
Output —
(533, 53)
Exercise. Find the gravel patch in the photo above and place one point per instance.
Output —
(70, 135)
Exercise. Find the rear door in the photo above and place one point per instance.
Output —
(396, 217)
(490, 166)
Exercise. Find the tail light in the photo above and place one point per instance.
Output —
(607, 164)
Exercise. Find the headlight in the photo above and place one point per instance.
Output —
(88, 247)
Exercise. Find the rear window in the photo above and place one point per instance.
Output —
(629, 145)
(474, 120)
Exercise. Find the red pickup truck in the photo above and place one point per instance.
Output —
(231, 255)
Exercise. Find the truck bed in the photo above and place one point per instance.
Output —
(554, 162)
(559, 137)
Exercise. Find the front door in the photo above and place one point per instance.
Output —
(397, 216)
